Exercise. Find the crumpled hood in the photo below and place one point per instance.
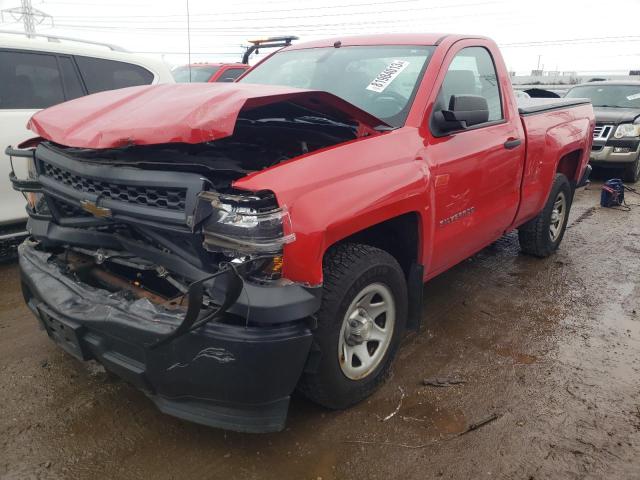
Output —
(170, 113)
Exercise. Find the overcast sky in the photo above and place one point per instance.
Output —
(584, 36)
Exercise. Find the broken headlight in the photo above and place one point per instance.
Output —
(250, 224)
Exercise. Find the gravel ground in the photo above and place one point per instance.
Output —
(548, 349)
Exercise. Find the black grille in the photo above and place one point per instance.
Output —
(166, 198)
(69, 210)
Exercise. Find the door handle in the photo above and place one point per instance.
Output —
(512, 143)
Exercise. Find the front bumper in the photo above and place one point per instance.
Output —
(605, 155)
(223, 375)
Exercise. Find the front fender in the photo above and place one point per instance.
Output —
(333, 194)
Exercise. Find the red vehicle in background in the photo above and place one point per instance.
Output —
(209, 72)
(227, 72)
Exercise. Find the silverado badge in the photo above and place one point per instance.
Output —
(95, 210)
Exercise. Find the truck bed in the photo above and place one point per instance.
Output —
(566, 128)
(534, 106)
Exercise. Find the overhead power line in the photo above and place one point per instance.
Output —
(329, 29)
(180, 17)
(297, 28)
(246, 16)
(213, 27)
(534, 43)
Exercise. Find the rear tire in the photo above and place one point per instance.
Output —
(360, 324)
(542, 235)
(632, 172)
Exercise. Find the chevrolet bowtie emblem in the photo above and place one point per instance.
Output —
(95, 210)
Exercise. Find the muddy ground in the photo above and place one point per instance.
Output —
(550, 346)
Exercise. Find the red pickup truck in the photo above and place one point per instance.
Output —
(220, 245)
(209, 72)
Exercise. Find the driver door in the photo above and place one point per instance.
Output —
(477, 170)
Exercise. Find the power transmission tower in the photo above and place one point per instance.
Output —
(29, 16)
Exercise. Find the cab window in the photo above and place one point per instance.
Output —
(230, 74)
(472, 72)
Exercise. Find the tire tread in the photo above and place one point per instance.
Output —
(338, 265)
(534, 235)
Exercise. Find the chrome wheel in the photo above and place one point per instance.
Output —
(367, 330)
(558, 215)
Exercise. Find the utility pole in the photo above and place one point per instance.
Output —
(29, 16)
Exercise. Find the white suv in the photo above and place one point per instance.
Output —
(38, 72)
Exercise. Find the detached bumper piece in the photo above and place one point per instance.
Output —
(222, 374)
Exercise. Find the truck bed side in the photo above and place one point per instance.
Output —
(558, 139)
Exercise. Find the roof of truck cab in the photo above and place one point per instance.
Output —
(383, 39)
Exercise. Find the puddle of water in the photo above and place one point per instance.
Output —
(518, 357)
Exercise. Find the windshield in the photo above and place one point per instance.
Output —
(198, 74)
(381, 80)
(620, 96)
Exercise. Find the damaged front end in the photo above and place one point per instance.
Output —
(223, 374)
(147, 259)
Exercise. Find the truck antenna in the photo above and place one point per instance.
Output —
(189, 39)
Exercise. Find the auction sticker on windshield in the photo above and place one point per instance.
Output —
(386, 76)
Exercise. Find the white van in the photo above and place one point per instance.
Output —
(44, 70)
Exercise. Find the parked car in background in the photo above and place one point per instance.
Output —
(209, 72)
(616, 137)
(544, 93)
(220, 247)
(521, 95)
(39, 72)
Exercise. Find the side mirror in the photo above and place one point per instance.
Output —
(464, 111)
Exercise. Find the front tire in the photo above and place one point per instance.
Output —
(542, 235)
(360, 325)
(632, 172)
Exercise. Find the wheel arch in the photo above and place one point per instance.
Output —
(401, 237)
(569, 165)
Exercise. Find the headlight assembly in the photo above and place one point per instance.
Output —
(627, 130)
(248, 224)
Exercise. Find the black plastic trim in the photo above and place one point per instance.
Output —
(14, 152)
(537, 106)
(630, 143)
(415, 285)
(193, 183)
(585, 177)
(511, 144)
(24, 185)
